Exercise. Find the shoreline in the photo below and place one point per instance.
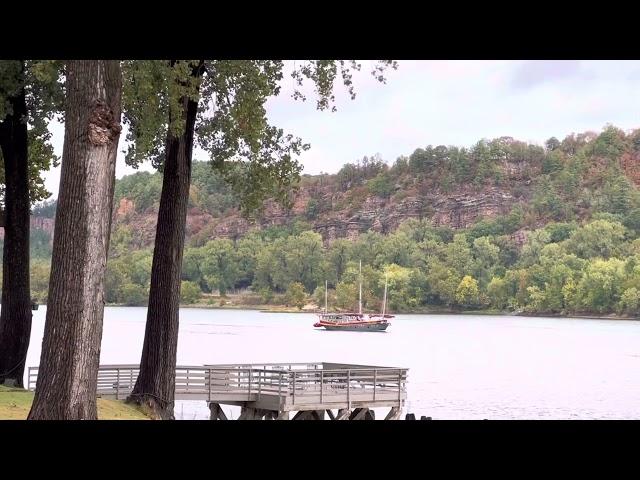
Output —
(497, 313)
(267, 308)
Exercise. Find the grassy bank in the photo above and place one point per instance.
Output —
(15, 404)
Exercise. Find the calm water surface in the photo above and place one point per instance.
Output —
(461, 366)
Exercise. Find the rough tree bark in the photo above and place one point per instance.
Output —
(155, 386)
(15, 316)
(66, 385)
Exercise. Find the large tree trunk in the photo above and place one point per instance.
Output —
(155, 386)
(15, 316)
(66, 385)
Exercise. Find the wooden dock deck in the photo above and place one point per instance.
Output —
(273, 391)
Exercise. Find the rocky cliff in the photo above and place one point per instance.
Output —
(341, 214)
(448, 186)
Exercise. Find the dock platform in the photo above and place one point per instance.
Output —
(274, 390)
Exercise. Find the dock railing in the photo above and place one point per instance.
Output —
(297, 383)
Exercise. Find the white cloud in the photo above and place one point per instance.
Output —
(450, 103)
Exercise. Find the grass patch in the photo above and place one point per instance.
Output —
(15, 404)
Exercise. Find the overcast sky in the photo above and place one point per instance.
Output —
(447, 103)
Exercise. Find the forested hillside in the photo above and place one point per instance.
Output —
(500, 225)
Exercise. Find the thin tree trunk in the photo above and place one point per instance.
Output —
(15, 316)
(66, 386)
(155, 386)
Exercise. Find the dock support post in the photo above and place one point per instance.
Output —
(361, 414)
(394, 413)
(309, 415)
(343, 414)
(247, 413)
(283, 416)
(216, 412)
(250, 413)
(303, 415)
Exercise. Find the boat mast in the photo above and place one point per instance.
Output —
(360, 297)
(325, 297)
(384, 301)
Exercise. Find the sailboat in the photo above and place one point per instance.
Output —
(355, 322)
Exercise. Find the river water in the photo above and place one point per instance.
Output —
(460, 366)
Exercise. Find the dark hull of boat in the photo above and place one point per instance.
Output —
(367, 327)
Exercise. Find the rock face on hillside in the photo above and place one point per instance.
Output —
(45, 224)
(342, 217)
(456, 211)
(38, 223)
(339, 208)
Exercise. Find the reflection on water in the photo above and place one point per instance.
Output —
(461, 366)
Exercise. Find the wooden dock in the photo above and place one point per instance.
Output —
(275, 391)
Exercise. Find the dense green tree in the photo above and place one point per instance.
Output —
(553, 162)
(468, 293)
(381, 185)
(337, 257)
(319, 297)
(166, 103)
(397, 248)
(121, 240)
(487, 259)
(399, 284)
(296, 295)
(312, 209)
(368, 248)
(601, 285)
(630, 302)
(40, 270)
(141, 188)
(347, 296)
(547, 202)
(189, 292)
(192, 263)
(552, 144)
(610, 143)
(115, 277)
(132, 295)
(304, 259)
(70, 355)
(600, 238)
(443, 282)
(536, 241)
(497, 292)
(458, 255)
(30, 96)
(219, 265)
(247, 252)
